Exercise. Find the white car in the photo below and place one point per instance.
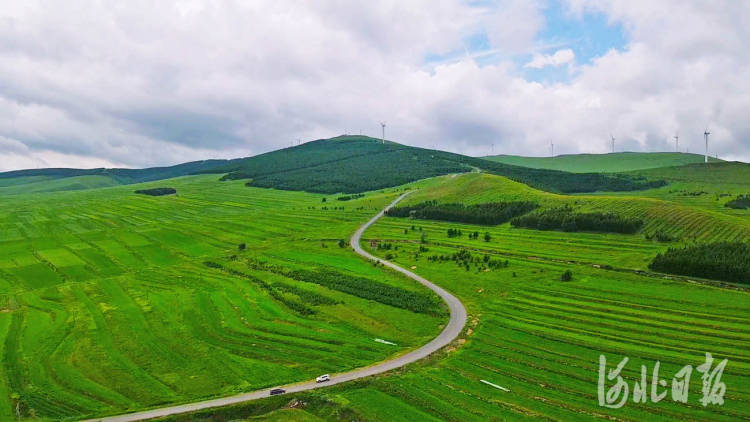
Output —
(323, 378)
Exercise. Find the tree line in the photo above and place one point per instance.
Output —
(727, 261)
(491, 213)
(565, 219)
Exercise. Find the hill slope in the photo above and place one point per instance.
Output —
(603, 163)
(62, 179)
(681, 221)
(358, 163)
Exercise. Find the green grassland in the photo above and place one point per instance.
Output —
(540, 337)
(603, 163)
(708, 187)
(106, 305)
(112, 301)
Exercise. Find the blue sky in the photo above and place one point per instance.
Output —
(589, 35)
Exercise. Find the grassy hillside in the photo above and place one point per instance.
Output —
(60, 179)
(358, 163)
(539, 337)
(683, 221)
(107, 303)
(603, 163)
(39, 184)
(708, 187)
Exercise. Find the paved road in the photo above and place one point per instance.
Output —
(449, 333)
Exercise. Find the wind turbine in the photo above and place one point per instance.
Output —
(613, 142)
(705, 135)
(552, 149)
(382, 124)
(677, 143)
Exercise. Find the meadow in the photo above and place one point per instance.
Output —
(108, 306)
(537, 336)
(111, 301)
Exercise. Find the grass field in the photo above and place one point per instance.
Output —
(107, 305)
(603, 163)
(540, 337)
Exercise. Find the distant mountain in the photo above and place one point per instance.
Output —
(122, 175)
(347, 164)
(603, 163)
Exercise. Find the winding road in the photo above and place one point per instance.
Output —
(449, 333)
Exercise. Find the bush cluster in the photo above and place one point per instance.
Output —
(741, 202)
(350, 197)
(157, 191)
(466, 259)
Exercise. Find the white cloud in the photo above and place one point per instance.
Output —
(558, 58)
(105, 82)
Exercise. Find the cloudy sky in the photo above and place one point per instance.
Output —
(144, 83)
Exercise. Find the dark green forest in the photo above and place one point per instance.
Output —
(491, 213)
(718, 261)
(354, 164)
(565, 219)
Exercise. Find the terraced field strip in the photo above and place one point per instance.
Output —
(541, 338)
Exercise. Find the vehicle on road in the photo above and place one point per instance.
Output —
(277, 391)
(323, 378)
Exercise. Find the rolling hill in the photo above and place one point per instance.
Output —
(352, 164)
(63, 179)
(348, 164)
(603, 163)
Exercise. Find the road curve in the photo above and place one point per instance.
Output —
(449, 333)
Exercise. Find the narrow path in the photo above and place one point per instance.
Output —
(449, 333)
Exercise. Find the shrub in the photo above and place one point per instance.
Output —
(567, 276)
